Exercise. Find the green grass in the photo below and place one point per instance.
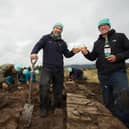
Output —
(91, 75)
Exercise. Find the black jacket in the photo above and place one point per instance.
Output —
(119, 46)
(53, 51)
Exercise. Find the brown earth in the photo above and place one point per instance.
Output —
(12, 103)
(13, 100)
(85, 109)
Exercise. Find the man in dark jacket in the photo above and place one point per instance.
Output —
(110, 52)
(54, 47)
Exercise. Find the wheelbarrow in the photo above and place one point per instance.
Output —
(28, 107)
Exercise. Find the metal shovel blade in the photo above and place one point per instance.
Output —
(27, 114)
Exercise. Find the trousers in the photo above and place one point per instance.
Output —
(113, 86)
(55, 77)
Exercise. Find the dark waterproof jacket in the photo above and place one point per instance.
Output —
(119, 47)
(53, 51)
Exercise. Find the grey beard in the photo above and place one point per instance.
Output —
(55, 36)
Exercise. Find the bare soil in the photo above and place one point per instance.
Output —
(12, 102)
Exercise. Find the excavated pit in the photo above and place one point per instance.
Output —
(82, 109)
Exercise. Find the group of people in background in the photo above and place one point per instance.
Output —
(75, 74)
(17, 75)
(24, 74)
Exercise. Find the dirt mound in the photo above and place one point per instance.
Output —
(11, 107)
(83, 109)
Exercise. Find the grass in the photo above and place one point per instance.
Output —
(91, 75)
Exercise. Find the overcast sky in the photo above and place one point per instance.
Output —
(23, 22)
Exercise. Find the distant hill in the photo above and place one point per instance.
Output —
(86, 66)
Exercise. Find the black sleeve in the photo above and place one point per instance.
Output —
(125, 45)
(67, 53)
(39, 45)
(93, 54)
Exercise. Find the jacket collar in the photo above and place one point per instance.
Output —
(112, 31)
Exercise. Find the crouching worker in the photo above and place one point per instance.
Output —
(20, 76)
(75, 74)
(27, 75)
(7, 76)
(9, 80)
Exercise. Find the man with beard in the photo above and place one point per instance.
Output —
(54, 47)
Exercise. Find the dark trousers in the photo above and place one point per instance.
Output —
(112, 87)
(48, 76)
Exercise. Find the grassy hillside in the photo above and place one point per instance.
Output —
(91, 75)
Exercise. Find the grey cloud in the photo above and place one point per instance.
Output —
(24, 22)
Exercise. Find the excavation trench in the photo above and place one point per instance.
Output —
(82, 109)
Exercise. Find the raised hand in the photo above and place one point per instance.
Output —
(84, 50)
(76, 50)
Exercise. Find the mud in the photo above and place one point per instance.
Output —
(12, 102)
